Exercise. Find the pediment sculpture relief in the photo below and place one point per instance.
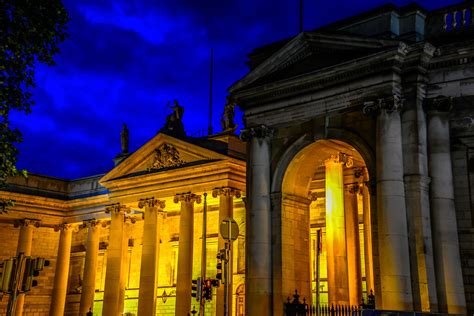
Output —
(166, 156)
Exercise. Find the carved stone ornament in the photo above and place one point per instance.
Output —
(89, 223)
(117, 208)
(341, 158)
(226, 191)
(151, 202)
(440, 104)
(63, 226)
(166, 156)
(466, 122)
(187, 197)
(353, 188)
(261, 131)
(27, 222)
(389, 104)
(312, 196)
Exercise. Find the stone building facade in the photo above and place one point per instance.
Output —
(110, 235)
(356, 176)
(363, 130)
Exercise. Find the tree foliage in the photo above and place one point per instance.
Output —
(30, 32)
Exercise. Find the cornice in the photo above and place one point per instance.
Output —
(323, 78)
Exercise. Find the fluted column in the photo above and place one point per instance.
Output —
(391, 210)
(115, 274)
(450, 287)
(150, 255)
(90, 267)
(226, 210)
(185, 252)
(258, 278)
(24, 245)
(58, 297)
(338, 286)
(353, 244)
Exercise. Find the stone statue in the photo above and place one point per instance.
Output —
(124, 139)
(227, 119)
(178, 111)
(174, 124)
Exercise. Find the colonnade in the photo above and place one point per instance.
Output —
(114, 292)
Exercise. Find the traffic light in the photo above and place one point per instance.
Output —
(32, 270)
(196, 289)
(215, 283)
(220, 257)
(207, 293)
(219, 270)
(8, 268)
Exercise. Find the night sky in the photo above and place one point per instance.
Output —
(124, 60)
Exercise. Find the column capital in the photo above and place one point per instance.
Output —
(312, 196)
(89, 223)
(27, 222)
(389, 104)
(187, 197)
(261, 131)
(438, 105)
(62, 227)
(151, 202)
(117, 208)
(352, 188)
(341, 158)
(464, 122)
(226, 191)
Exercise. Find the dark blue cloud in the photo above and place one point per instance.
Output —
(125, 59)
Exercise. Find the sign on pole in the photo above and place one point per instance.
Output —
(229, 229)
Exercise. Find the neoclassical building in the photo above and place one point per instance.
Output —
(363, 129)
(353, 174)
(130, 241)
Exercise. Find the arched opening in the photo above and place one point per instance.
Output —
(326, 241)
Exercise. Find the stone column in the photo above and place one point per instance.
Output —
(368, 243)
(353, 244)
(415, 165)
(115, 274)
(150, 255)
(258, 278)
(58, 297)
(392, 216)
(24, 245)
(338, 286)
(450, 287)
(90, 267)
(185, 252)
(226, 209)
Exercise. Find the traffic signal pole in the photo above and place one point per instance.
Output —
(227, 276)
(204, 252)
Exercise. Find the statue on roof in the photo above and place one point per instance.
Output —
(227, 119)
(178, 111)
(174, 124)
(124, 139)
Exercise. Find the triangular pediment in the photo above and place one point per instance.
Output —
(307, 52)
(162, 152)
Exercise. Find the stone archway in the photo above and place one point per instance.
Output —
(324, 186)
